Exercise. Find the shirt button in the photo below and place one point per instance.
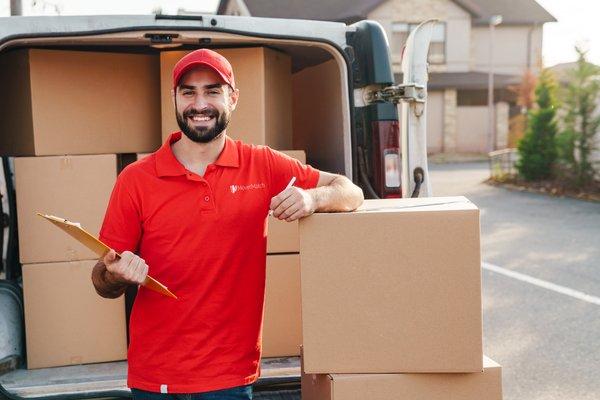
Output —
(206, 198)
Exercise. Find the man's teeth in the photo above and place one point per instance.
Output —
(201, 118)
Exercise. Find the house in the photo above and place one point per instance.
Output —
(459, 56)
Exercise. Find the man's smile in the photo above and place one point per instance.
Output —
(200, 119)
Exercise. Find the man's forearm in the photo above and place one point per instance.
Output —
(105, 286)
(340, 195)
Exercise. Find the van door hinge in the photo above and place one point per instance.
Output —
(393, 94)
(404, 92)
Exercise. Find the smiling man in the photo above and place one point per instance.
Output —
(176, 214)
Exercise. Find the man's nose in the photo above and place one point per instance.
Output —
(200, 102)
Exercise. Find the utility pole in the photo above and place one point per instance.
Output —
(494, 21)
(16, 7)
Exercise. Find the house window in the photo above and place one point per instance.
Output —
(437, 47)
(400, 32)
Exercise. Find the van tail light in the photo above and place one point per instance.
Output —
(386, 158)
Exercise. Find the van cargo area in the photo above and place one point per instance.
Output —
(315, 87)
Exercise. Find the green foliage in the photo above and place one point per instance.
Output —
(537, 149)
(582, 121)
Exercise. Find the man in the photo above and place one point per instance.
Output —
(194, 213)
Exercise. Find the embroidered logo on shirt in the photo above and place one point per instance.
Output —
(241, 188)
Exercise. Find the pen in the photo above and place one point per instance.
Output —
(289, 185)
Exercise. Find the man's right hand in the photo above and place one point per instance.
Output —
(129, 268)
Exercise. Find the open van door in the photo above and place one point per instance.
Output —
(415, 175)
(410, 97)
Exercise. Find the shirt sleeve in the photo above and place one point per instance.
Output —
(121, 229)
(284, 167)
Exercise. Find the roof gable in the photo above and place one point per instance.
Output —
(514, 12)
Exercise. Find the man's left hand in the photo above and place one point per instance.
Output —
(292, 203)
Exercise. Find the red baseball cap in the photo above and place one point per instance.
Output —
(206, 57)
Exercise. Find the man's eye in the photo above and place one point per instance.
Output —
(188, 93)
(213, 92)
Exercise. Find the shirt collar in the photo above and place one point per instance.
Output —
(168, 165)
(229, 157)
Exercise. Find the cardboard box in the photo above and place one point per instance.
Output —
(73, 102)
(486, 385)
(283, 236)
(66, 322)
(264, 111)
(282, 327)
(73, 187)
(142, 155)
(393, 288)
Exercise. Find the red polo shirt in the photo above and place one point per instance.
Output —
(204, 237)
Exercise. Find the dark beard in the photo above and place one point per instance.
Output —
(202, 135)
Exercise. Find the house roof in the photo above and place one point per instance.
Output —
(330, 10)
(349, 11)
(562, 71)
(514, 12)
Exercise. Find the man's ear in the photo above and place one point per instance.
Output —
(173, 99)
(234, 95)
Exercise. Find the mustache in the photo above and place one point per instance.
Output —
(205, 113)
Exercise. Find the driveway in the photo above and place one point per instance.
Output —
(541, 285)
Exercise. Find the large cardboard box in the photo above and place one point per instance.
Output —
(73, 187)
(282, 327)
(264, 110)
(72, 102)
(394, 287)
(486, 385)
(282, 235)
(66, 322)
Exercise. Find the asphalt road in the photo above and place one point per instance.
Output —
(541, 285)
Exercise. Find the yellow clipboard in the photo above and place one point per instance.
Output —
(75, 230)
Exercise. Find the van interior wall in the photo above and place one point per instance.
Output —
(317, 104)
(317, 116)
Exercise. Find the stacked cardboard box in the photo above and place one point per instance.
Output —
(71, 102)
(391, 302)
(73, 187)
(282, 327)
(82, 139)
(68, 114)
(469, 386)
(65, 319)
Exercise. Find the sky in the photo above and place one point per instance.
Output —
(578, 20)
(97, 7)
(578, 23)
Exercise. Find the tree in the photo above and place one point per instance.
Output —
(582, 120)
(525, 91)
(537, 149)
